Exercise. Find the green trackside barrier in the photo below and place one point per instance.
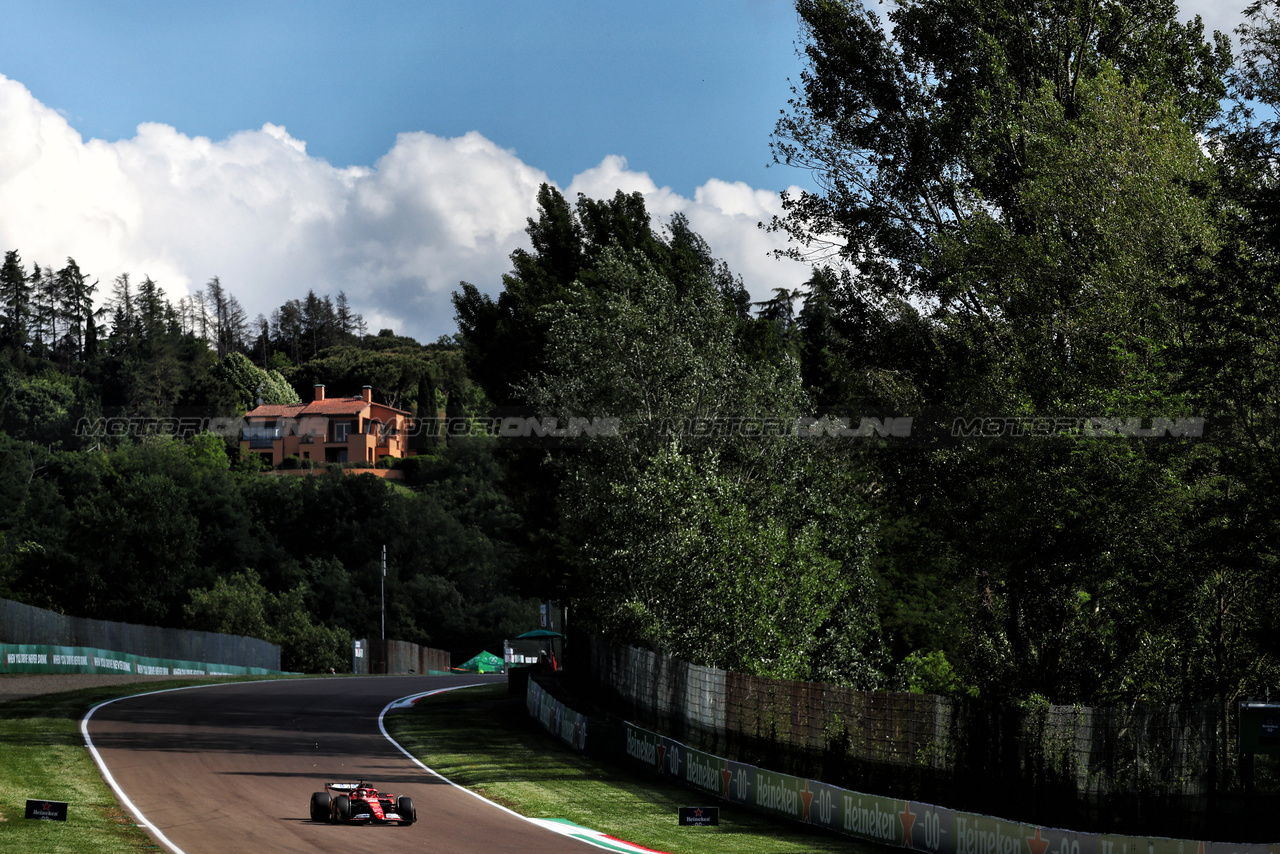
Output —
(41, 658)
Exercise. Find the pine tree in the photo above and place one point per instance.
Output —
(349, 322)
(75, 294)
(46, 306)
(122, 316)
(15, 301)
(230, 323)
(155, 315)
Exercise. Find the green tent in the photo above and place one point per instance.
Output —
(539, 633)
(485, 662)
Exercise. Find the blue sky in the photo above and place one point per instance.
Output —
(685, 91)
(387, 150)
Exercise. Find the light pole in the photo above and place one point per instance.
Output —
(383, 586)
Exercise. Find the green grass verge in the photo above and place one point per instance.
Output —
(42, 755)
(478, 737)
(483, 739)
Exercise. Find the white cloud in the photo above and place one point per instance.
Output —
(273, 222)
(727, 215)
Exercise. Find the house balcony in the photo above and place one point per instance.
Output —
(261, 438)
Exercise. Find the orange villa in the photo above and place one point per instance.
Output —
(327, 430)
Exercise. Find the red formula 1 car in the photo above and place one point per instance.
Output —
(351, 802)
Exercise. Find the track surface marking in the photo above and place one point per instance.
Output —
(231, 768)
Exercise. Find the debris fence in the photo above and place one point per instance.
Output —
(1150, 769)
(25, 624)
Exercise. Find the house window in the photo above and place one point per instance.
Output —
(262, 434)
(341, 430)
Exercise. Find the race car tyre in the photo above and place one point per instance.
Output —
(404, 806)
(342, 808)
(320, 806)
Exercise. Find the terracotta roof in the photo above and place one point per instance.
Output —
(336, 406)
(328, 406)
(393, 409)
(275, 410)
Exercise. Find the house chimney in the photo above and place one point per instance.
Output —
(367, 393)
(319, 391)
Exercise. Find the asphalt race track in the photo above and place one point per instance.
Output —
(231, 768)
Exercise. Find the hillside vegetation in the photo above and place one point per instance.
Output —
(1015, 437)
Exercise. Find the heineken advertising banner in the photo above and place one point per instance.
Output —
(905, 824)
(40, 658)
(741, 783)
(704, 771)
(555, 717)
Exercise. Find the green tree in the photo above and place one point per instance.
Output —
(228, 320)
(241, 605)
(150, 363)
(506, 341)
(303, 328)
(1009, 175)
(913, 134)
(45, 308)
(15, 299)
(392, 367)
(1219, 641)
(79, 318)
(750, 577)
(690, 539)
(39, 407)
(251, 385)
(1013, 203)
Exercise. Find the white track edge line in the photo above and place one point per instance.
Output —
(418, 762)
(143, 821)
(106, 773)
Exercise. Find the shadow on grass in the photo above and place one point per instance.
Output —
(501, 730)
(489, 742)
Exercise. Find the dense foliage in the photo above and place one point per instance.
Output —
(1022, 212)
(1045, 212)
(148, 524)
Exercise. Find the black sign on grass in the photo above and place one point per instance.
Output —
(700, 816)
(47, 810)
